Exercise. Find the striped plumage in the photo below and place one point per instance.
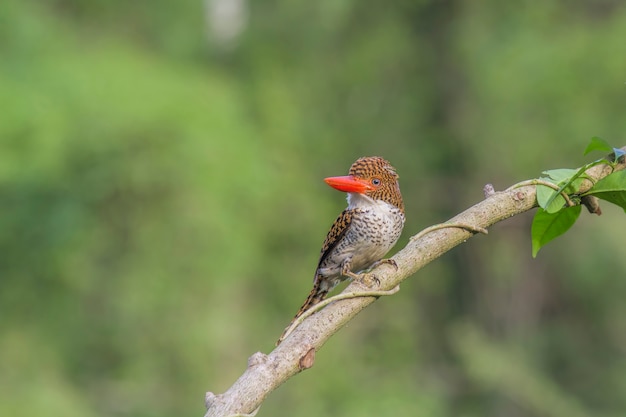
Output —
(364, 232)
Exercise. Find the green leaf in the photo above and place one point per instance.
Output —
(598, 144)
(560, 175)
(547, 226)
(611, 188)
(549, 200)
(570, 181)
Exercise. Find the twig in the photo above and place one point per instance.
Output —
(342, 296)
(548, 184)
(468, 227)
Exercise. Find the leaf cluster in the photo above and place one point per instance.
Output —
(559, 196)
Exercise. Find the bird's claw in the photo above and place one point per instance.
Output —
(391, 262)
(367, 280)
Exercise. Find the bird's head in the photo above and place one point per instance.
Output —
(372, 176)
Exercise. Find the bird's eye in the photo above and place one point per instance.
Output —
(376, 182)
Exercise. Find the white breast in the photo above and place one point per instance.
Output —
(375, 231)
(374, 228)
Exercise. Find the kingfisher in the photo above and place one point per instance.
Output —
(364, 232)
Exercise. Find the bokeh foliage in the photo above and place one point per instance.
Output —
(161, 203)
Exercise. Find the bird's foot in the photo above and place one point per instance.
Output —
(370, 280)
(367, 280)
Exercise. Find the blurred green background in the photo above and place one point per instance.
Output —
(162, 204)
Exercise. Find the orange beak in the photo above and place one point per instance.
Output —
(349, 184)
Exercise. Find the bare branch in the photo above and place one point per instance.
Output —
(297, 352)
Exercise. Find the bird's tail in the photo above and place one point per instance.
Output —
(317, 294)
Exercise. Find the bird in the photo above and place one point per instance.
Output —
(364, 231)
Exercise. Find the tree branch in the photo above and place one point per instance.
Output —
(296, 353)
